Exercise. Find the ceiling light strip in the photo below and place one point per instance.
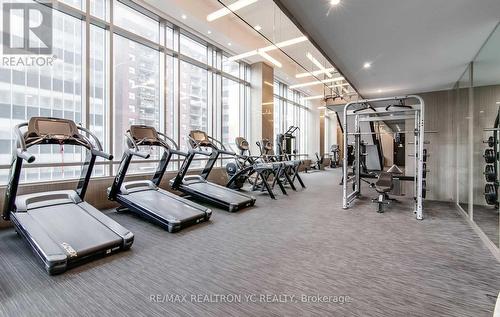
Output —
(314, 73)
(338, 86)
(314, 97)
(230, 8)
(270, 58)
(318, 64)
(326, 81)
(269, 48)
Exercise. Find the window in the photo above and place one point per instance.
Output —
(149, 86)
(230, 112)
(170, 109)
(193, 49)
(144, 107)
(98, 8)
(49, 91)
(290, 109)
(230, 67)
(79, 4)
(134, 21)
(98, 86)
(193, 112)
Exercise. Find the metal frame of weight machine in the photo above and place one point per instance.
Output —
(378, 113)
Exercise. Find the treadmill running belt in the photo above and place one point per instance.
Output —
(165, 205)
(72, 225)
(221, 193)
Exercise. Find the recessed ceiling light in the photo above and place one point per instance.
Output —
(498, 102)
(334, 2)
(367, 65)
(482, 111)
(209, 32)
(184, 17)
(230, 8)
(379, 90)
(229, 44)
(257, 27)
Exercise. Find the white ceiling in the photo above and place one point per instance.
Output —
(487, 62)
(276, 26)
(413, 45)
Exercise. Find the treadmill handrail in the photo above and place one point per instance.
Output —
(20, 137)
(179, 153)
(227, 152)
(97, 145)
(25, 155)
(205, 153)
(176, 147)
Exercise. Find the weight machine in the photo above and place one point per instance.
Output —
(370, 110)
(286, 143)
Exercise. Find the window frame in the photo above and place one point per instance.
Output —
(167, 76)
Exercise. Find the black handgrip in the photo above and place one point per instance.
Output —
(102, 154)
(25, 155)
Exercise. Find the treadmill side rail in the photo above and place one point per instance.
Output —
(50, 253)
(125, 234)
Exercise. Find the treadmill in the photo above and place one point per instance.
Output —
(144, 197)
(60, 227)
(198, 186)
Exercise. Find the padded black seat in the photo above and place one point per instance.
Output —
(384, 183)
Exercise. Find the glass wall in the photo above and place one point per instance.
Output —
(463, 117)
(485, 116)
(290, 109)
(478, 145)
(141, 69)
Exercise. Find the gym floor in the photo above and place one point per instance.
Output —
(388, 264)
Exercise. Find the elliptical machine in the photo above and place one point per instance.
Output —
(289, 171)
(248, 168)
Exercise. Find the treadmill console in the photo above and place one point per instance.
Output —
(143, 133)
(53, 127)
(199, 138)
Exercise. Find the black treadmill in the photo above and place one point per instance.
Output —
(60, 227)
(198, 186)
(144, 197)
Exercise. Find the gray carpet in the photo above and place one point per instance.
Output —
(387, 264)
(486, 217)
